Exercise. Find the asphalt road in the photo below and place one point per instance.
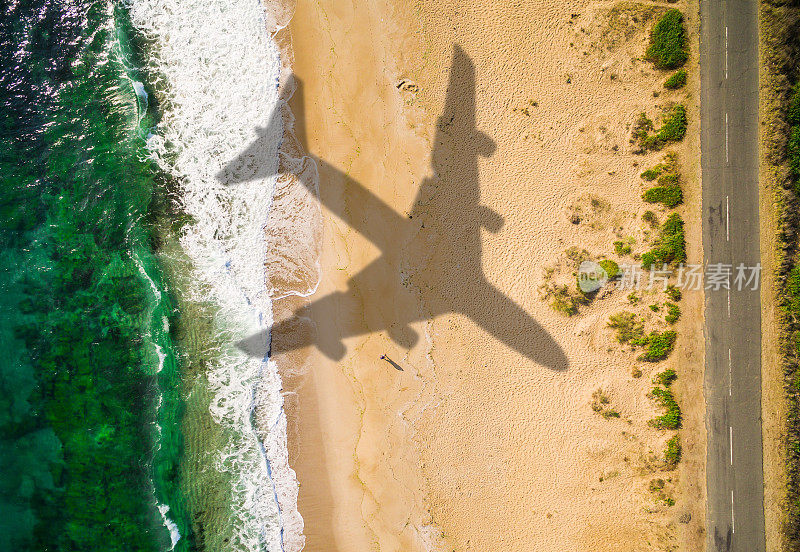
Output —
(729, 158)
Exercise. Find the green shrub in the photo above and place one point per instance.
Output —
(611, 267)
(675, 81)
(669, 196)
(652, 142)
(669, 179)
(672, 454)
(674, 127)
(793, 116)
(643, 123)
(656, 485)
(622, 248)
(673, 313)
(563, 301)
(649, 259)
(667, 48)
(641, 129)
(673, 293)
(633, 299)
(659, 345)
(669, 165)
(652, 174)
(793, 290)
(672, 238)
(666, 377)
(629, 328)
(655, 308)
(671, 419)
(794, 150)
(651, 219)
(670, 247)
(793, 145)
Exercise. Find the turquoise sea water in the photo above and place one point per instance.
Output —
(90, 402)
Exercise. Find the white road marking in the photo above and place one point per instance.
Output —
(727, 219)
(726, 137)
(731, 434)
(729, 303)
(733, 517)
(726, 53)
(730, 374)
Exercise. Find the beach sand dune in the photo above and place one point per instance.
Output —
(486, 439)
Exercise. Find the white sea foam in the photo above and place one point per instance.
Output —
(220, 71)
(163, 509)
(174, 534)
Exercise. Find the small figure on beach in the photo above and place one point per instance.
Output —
(393, 363)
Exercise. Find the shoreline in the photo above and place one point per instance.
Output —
(327, 427)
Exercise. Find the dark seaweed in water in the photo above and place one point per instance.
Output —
(77, 384)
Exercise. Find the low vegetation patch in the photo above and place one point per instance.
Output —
(673, 293)
(669, 179)
(658, 345)
(659, 489)
(793, 147)
(563, 300)
(650, 218)
(668, 166)
(673, 313)
(782, 131)
(623, 248)
(676, 80)
(672, 454)
(669, 247)
(669, 196)
(602, 405)
(668, 46)
(652, 174)
(672, 417)
(630, 328)
(611, 267)
(666, 377)
(668, 192)
(673, 129)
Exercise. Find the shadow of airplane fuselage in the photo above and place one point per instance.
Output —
(435, 249)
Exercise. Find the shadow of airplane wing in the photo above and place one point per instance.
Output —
(338, 192)
(501, 317)
(375, 300)
(361, 310)
(344, 197)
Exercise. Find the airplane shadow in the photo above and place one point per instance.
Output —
(435, 257)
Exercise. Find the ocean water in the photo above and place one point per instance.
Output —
(85, 317)
(129, 420)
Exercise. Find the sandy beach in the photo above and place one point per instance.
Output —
(458, 141)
